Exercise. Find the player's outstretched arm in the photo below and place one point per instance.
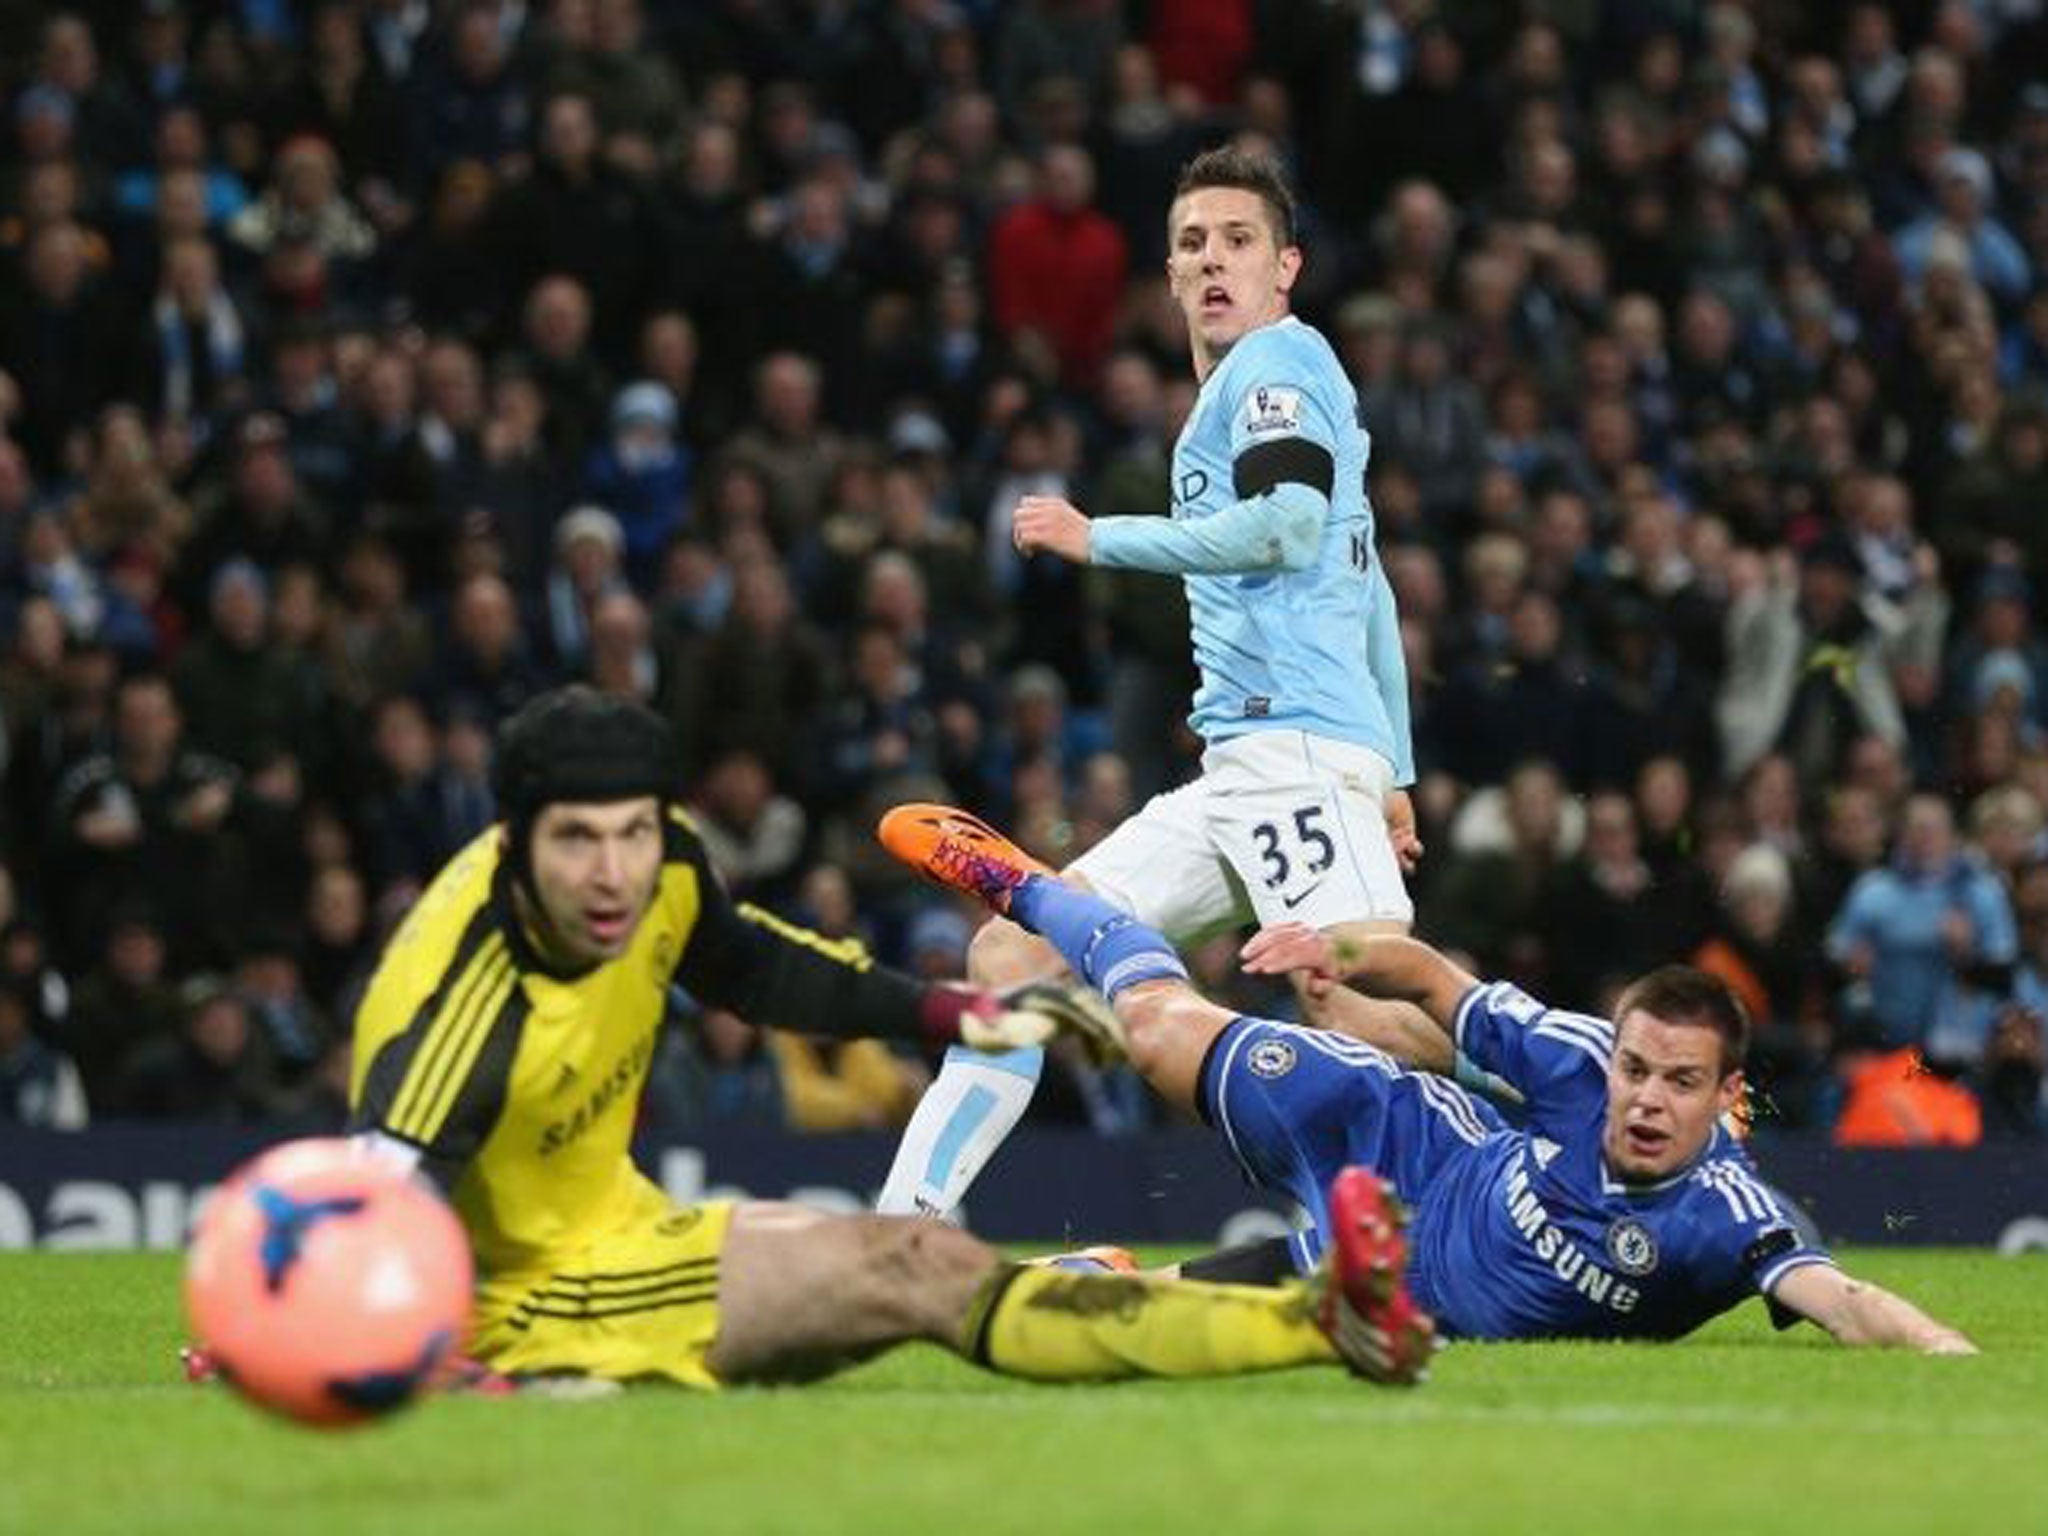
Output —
(1279, 529)
(1858, 1312)
(1380, 965)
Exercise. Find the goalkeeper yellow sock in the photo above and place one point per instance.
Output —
(1054, 1325)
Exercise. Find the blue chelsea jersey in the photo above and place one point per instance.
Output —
(1530, 1235)
(1318, 649)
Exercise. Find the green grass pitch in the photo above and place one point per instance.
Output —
(1735, 1431)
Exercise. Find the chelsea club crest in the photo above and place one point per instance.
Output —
(1270, 1058)
(1631, 1247)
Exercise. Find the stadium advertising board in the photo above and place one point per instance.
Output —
(138, 1187)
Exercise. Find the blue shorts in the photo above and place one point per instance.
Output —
(1300, 1105)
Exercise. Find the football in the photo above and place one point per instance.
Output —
(328, 1283)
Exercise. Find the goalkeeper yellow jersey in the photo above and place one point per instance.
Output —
(520, 1084)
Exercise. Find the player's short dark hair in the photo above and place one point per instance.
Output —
(1683, 994)
(1229, 166)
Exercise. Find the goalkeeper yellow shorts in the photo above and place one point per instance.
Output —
(639, 1299)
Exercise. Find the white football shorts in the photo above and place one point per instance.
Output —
(1280, 826)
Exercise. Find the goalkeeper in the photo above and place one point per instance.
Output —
(505, 1038)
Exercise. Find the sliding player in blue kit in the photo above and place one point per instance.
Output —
(1622, 1209)
(1300, 810)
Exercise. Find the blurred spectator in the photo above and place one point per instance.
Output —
(305, 214)
(1987, 509)
(198, 372)
(128, 520)
(142, 819)
(908, 520)
(555, 329)
(109, 130)
(1505, 847)
(1928, 943)
(622, 659)
(269, 979)
(763, 679)
(340, 95)
(706, 218)
(1055, 268)
(338, 946)
(949, 664)
(484, 668)
(520, 487)
(669, 354)
(754, 834)
(1645, 699)
(1609, 890)
(1041, 40)
(180, 145)
(2006, 830)
(810, 265)
(1854, 831)
(844, 1085)
(258, 512)
(1037, 461)
(1529, 702)
(241, 696)
(1896, 1100)
(589, 551)
(1432, 420)
(936, 944)
(58, 330)
(451, 268)
(1810, 660)
(884, 725)
(788, 445)
(1037, 732)
(378, 643)
(473, 104)
(50, 566)
(1757, 948)
(217, 1070)
(55, 696)
(640, 92)
(1151, 670)
(39, 1086)
(304, 395)
(575, 215)
(127, 1002)
(722, 1073)
(2015, 1079)
(641, 474)
(417, 813)
(1963, 199)
(396, 30)
(1146, 137)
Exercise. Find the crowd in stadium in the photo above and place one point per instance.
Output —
(368, 365)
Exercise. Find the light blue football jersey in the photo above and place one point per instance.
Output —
(1316, 650)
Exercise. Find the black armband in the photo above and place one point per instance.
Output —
(1766, 1248)
(1993, 976)
(1759, 1253)
(1284, 460)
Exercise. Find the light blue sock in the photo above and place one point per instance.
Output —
(1109, 949)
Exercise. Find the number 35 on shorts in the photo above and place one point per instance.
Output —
(1319, 859)
(1294, 852)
